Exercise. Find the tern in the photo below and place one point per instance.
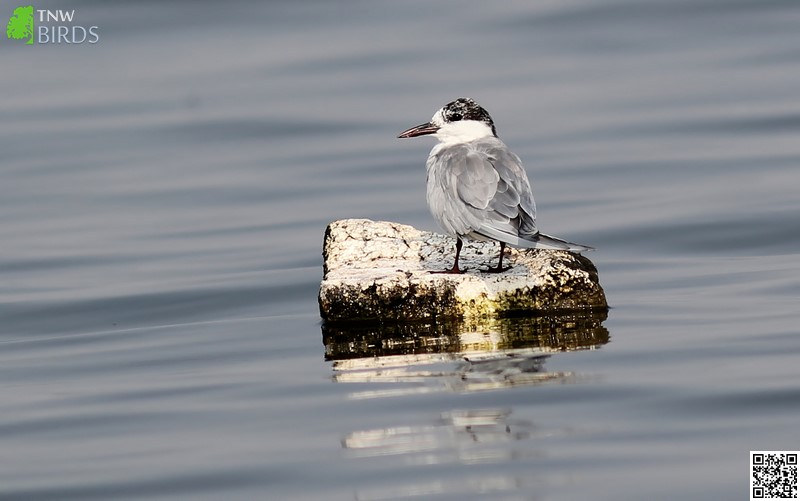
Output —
(477, 188)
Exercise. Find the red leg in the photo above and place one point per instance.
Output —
(499, 268)
(455, 269)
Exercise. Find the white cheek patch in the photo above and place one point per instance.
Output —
(463, 131)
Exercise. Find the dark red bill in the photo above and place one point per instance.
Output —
(419, 130)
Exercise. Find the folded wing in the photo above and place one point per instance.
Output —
(480, 190)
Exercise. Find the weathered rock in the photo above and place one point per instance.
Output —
(382, 271)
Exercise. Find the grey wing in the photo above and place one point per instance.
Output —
(483, 192)
(514, 197)
(460, 186)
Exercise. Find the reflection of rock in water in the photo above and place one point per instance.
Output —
(462, 357)
(462, 437)
(448, 372)
(458, 356)
(550, 333)
(455, 430)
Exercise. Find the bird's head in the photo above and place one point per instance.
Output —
(459, 121)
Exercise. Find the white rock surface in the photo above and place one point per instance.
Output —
(382, 271)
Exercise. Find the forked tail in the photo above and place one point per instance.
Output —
(542, 241)
(537, 241)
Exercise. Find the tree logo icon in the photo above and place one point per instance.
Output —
(20, 25)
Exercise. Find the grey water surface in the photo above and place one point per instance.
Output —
(163, 198)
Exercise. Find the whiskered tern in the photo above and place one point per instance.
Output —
(477, 188)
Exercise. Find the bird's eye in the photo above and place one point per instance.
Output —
(455, 117)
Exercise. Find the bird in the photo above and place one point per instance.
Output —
(477, 188)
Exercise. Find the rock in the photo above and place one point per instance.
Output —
(382, 271)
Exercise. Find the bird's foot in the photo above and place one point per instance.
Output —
(496, 269)
(451, 271)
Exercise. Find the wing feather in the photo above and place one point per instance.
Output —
(481, 189)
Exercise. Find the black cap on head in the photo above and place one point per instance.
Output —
(465, 108)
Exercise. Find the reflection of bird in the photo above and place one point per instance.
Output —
(477, 188)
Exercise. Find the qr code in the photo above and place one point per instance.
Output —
(773, 475)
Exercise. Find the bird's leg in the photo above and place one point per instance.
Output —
(499, 268)
(455, 269)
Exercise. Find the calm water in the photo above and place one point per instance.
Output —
(164, 196)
